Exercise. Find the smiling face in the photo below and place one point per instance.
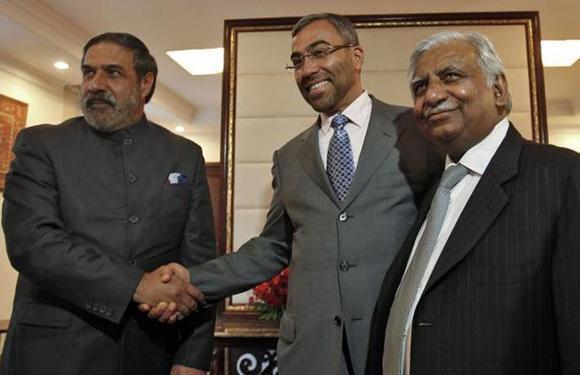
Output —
(452, 102)
(112, 95)
(329, 84)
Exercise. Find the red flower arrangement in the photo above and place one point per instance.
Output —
(270, 296)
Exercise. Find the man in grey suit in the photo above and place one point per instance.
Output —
(498, 291)
(94, 205)
(337, 230)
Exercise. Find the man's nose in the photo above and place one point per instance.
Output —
(435, 93)
(310, 65)
(98, 82)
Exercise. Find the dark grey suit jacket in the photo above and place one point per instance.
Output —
(504, 297)
(85, 214)
(338, 252)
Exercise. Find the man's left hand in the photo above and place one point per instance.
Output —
(182, 370)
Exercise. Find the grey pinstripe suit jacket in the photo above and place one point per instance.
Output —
(504, 297)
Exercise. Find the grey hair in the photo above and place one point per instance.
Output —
(487, 57)
(342, 24)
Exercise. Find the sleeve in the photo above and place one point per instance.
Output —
(566, 274)
(198, 246)
(44, 252)
(258, 260)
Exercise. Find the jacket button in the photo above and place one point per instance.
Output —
(102, 309)
(337, 321)
(132, 262)
(127, 141)
(109, 312)
(133, 219)
(132, 177)
(343, 217)
(344, 266)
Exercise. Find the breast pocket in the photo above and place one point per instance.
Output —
(173, 207)
(178, 193)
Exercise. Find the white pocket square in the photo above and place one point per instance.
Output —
(175, 178)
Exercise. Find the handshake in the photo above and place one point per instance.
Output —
(166, 294)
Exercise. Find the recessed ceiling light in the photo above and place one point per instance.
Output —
(61, 65)
(560, 52)
(200, 61)
(179, 129)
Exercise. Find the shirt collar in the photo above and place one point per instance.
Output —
(477, 158)
(355, 112)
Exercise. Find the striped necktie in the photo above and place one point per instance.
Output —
(401, 314)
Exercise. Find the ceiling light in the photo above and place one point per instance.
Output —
(560, 52)
(200, 61)
(61, 65)
(179, 129)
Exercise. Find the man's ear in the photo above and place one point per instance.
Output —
(146, 85)
(500, 91)
(359, 57)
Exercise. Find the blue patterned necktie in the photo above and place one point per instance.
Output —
(339, 160)
(400, 314)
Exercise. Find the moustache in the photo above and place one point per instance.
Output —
(441, 107)
(99, 98)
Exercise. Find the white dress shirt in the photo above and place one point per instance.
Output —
(359, 114)
(476, 159)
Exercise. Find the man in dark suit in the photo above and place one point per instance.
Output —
(496, 289)
(92, 206)
(338, 235)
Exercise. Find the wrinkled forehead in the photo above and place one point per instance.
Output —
(450, 54)
(110, 53)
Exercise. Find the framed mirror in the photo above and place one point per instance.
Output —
(263, 109)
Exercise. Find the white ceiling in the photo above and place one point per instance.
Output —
(35, 33)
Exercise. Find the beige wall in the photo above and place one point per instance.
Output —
(45, 101)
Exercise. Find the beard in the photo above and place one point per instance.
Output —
(105, 113)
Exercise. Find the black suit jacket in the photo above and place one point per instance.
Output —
(504, 297)
(85, 214)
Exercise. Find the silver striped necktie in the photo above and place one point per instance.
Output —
(400, 314)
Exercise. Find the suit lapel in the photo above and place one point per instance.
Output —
(309, 157)
(482, 209)
(379, 141)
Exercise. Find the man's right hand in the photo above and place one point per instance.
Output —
(175, 294)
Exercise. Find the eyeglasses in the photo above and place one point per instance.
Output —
(319, 53)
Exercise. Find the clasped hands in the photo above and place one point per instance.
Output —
(166, 294)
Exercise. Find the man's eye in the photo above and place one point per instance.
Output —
(419, 89)
(114, 73)
(88, 73)
(450, 76)
(297, 61)
(319, 53)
